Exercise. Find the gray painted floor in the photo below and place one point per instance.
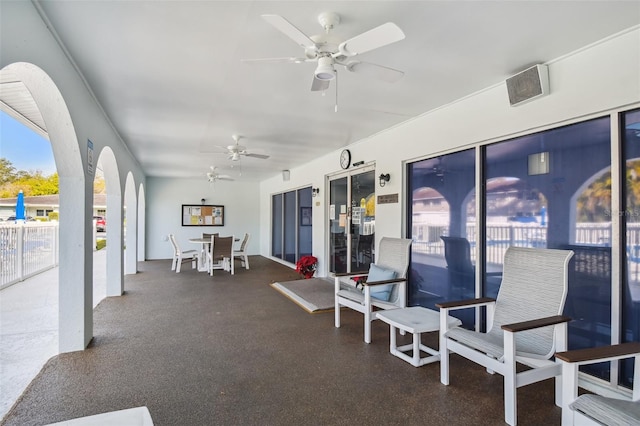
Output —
(231, 350)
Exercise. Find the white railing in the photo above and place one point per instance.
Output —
(27, 249)
(500, 237)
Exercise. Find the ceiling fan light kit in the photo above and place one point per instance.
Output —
(325, 70)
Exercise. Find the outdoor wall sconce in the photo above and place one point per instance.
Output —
(384, 178)
(202, 201)
(315, 192)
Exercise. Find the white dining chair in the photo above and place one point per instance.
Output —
(180, 256)
(242, 252)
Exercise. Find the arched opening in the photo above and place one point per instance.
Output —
(75, 320)
(114, 276)
(141, 223)
(74, 326)
(131, 222)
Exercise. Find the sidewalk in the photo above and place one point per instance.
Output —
(29, 327)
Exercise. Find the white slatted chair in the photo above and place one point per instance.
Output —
(525, 324)
(242, 252)
(393, 256)
(180, 256)
(593, 409)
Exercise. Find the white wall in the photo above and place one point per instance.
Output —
(589, 82)
(165, 197)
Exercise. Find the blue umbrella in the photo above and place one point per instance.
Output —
(20, 207)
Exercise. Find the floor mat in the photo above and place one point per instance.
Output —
(313, 295)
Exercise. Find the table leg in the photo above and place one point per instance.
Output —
(416, 349)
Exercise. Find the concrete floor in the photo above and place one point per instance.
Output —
(29, 327)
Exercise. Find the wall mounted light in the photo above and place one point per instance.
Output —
(315, 192)
(384, 178)
(286, 175)
(202, 201)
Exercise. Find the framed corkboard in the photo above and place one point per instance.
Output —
(202, 215)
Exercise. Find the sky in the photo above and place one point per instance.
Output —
(24, 148)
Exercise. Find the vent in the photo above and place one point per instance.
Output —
(528, 85)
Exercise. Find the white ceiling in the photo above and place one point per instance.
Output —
(170, 75)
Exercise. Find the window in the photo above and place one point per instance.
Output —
(291, 221)
(550, 189)
(442, 223)
(553, 189)
(630, 315)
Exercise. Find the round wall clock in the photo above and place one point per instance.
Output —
(345, 158)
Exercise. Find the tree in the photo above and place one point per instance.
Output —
(7, 171)
(13, 181)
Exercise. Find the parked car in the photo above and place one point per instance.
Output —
(27, 219)
(101, 223)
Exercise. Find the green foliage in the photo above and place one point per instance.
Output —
(100, 244)
(594, 204)
(7, 171)
(30, 182)
(54, 216)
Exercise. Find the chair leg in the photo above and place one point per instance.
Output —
(444, 351)
(510, 390)
(367, 326)
(178, 264)
(173, 263)
(246, 261)
(336, 311)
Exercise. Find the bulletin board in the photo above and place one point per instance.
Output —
(202, 215)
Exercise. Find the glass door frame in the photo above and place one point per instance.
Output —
(348, 174)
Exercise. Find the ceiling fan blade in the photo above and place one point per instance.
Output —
(288, 29)
(379, 72)
(223, 177)
(377, 37)
(264, 157)
(281, 60)
(319, 85)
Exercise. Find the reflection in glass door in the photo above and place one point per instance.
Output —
(352, 222)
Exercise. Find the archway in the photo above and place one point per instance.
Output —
(115, 278)
(141, 223)
(75, 266)
(131, 221)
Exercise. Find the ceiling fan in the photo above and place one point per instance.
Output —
(329, 50)
(236, 150)
(213, 175)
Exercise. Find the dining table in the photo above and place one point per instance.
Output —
(203, 259)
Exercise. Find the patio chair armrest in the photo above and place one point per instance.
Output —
(468, 303)
(349, 274)
(393, 281)
(536, 323)
(600, 354)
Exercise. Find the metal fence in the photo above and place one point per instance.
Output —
(26, 250)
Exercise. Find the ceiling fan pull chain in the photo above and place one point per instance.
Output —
(336, 108)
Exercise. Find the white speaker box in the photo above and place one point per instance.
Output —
(528, 85)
